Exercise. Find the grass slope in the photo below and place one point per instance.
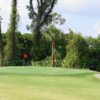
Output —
(45, 83)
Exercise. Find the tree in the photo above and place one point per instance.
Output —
(53, 34)
(1, 45)
(40, 16)
(94, 53)
(11, 36)
(77, 51)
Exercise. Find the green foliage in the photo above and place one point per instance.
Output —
(61, 43)
(55, 36)
(94, 53)
(56, 19)
(47, 62)
(41, 51)
(77, 51)
(24, 44)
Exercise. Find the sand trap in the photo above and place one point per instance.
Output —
(97, 76)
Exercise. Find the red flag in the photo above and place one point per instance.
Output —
(25, 56)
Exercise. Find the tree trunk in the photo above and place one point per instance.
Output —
(37, 43)
(37, 35)
(53, 53)
(14, 29)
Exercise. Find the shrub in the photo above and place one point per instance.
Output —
(47, 62)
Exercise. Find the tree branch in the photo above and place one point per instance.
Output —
(32, 8)
(47, 14)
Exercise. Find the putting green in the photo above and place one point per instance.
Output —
(46, 83)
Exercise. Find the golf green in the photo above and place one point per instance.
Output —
(47, 83)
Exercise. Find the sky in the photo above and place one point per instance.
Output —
(82, 16)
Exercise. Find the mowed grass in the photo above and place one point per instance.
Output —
(47, 83)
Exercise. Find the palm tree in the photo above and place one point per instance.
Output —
(53, 34)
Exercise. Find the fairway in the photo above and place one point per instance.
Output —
(47, 83)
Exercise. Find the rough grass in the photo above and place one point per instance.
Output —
(46, 83)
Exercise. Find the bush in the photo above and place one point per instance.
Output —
(17, 63)
(77, 51)
(46, 62)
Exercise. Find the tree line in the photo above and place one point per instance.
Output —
(47, 45)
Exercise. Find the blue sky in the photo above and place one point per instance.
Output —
(81, 15)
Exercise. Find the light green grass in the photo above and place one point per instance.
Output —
(46, 83)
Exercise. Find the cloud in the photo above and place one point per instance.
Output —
(82, 7)
(74, 5)
(22, 7)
